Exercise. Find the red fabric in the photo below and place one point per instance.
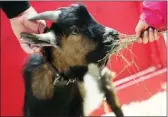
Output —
(122, 16)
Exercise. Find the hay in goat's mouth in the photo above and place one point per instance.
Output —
(124, 42)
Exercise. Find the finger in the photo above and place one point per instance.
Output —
(145, 37)
(141, 26)
(41, 26)
(138, 31)
(26, 48)
(35, 26)
(36, 49)
(151, 35)
(138, 34)
(139, 40)
(156, 34)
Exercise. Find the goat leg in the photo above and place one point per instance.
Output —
(110, 95)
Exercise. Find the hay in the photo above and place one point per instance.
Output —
(124, 42)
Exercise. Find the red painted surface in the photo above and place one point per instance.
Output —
(137, 92)
(122, 16)
(142, 90)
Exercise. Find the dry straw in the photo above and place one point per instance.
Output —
(124, 42)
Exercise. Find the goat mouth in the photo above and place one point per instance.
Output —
(113, 43)
(35, 39)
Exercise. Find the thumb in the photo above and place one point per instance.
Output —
(141, 26)
(139, 29)
(138, 32)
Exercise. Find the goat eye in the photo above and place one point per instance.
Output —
(75, 30)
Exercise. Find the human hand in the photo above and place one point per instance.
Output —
(22, 24)
(149, 34)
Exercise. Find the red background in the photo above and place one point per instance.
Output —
(122, 16)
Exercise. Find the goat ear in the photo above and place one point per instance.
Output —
(45, 39)
(48, 15)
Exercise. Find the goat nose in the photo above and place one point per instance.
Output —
(110, 35)
(110, 31)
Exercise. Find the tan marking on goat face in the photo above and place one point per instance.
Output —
(42, 86)
(74, 50)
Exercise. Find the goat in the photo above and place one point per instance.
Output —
(67, 80)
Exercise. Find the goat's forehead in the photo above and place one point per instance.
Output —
(78, 14)
(73, 7)
(74, 11)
